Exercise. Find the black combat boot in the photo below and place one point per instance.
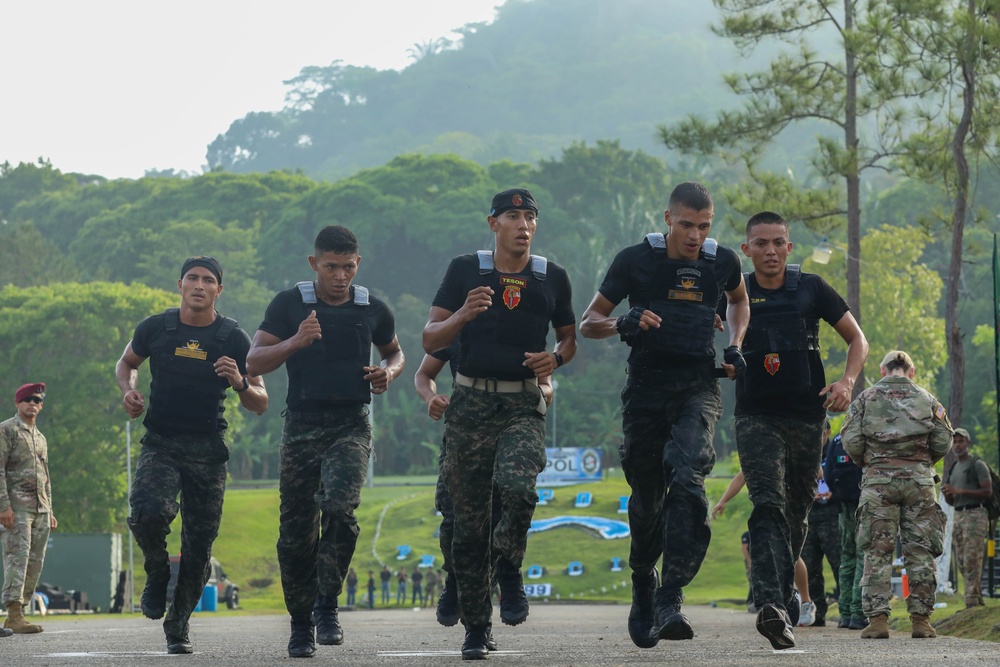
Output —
(302, 643)
(475, 645)
(154, 595)
(179, 645)
(513, 601)
(448, 612)
(640, 617)
(669, 622)
(325, 616)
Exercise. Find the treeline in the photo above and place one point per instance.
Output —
(85, 259)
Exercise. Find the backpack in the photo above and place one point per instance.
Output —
(992, 504)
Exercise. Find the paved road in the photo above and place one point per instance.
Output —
(554, 635)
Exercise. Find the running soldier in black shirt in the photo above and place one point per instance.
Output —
(499, 304)
(195, 355)
(781, 404)
(671, 401)
(323, 332)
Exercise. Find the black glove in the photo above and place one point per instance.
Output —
(734, 357)
(627, 325)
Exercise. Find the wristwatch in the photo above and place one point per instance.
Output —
(246, 385)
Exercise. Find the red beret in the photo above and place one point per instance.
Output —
(26, 390)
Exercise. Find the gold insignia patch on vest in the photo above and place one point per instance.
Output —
(687, 283)
(191, 350)
(679, 295)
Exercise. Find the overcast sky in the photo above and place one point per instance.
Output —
(116, 87)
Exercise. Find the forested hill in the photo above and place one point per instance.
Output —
(543, 74)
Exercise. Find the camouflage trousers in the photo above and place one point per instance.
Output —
(666, 453)
(324, 463)
(493, 439)
(443, 504)
(851, 562)
(970, 532)
(23, 555)
(905, 507)
(159, 478)
(780, 459)
(822, 539)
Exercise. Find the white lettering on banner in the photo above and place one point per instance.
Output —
(538, 590)
(567, 465)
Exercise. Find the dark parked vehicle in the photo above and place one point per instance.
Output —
(228, 591)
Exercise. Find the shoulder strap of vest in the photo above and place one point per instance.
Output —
(485, 261)
(792, 274)
(227, 328)
(308, 291)
(172, 319)
(709, 249)
(539, 266)
(361, 296)
(656, 240)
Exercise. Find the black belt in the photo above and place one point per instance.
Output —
(659, 375)
(968, 507)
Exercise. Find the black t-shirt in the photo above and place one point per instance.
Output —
(152, 339)
(286, 311)
(463, 276)
(631, 276)
(815, 299)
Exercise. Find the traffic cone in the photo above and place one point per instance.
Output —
(906, 584)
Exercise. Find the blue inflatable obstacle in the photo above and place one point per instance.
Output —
(609, 529)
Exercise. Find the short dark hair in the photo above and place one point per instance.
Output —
(691, 195)
(765, 218)
(336, 239)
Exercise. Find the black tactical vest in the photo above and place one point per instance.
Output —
(493, 344)
(188, 394)
(332, 368)
(685, 294)
(778, 341)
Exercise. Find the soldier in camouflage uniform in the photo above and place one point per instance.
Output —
(671, 399)
(499, 304)
(897, 431)
(323, 331)
(781, 405)
(25, 506)
(844, 479)
(195, 355)
(967, 485)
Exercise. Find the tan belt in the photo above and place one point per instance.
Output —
(497, 386)
(505, 387)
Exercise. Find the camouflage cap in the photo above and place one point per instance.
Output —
(964, 433)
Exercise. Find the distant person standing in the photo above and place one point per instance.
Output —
(671, 401)
(418, 586)
(323, 331)
(25, 506)
(371, 589)
(499, 304)
(843, 476)
(430, 587)
(898, 431)
(385, 576)
(195, 356)
(967, 485)
(352, 587)
(401, 586)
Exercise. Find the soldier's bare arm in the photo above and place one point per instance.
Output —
(127, 375)
(392, 364)
(598, 324)
(839, 393)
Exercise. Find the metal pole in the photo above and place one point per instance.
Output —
(555, 413)
(370, 477)
(128, 476)
(991, 538)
